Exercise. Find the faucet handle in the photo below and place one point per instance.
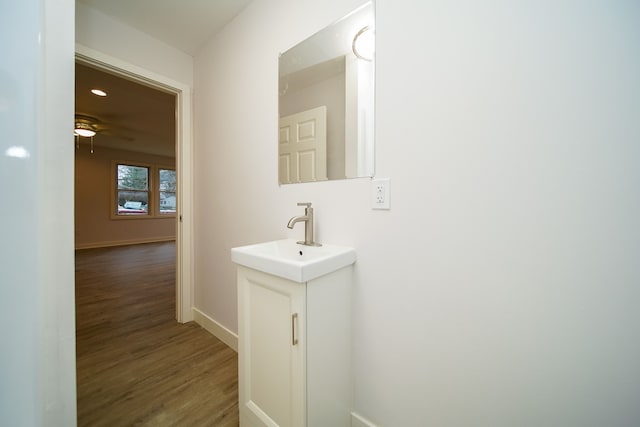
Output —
(307, 204)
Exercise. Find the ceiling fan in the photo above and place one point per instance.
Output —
(88, 126)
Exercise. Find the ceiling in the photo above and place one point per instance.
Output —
(133, 116)
(183, 24)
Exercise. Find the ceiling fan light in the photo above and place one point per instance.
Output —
(84, 132)
(84, 127)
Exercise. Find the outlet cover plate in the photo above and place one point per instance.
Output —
(380, 193)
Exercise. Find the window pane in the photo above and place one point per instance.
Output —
(167, 180)
(133, 202)
(133, 178)
(167, 202)
(167, 187)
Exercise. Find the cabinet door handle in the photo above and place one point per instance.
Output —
(294, 337)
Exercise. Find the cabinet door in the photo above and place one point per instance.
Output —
(271, 341)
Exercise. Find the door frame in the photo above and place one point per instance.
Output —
(184, 161)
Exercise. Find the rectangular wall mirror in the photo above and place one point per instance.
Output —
(326, 102)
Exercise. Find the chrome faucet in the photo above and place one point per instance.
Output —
(308, 224)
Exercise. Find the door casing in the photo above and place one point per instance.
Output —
(184, 159)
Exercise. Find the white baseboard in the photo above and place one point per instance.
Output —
(109, 244)
(360, 421)
(216, 329)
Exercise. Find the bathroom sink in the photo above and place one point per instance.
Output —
(293, 261)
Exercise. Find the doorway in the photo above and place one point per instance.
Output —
(183, 157)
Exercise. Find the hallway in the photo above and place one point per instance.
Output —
(135, 364)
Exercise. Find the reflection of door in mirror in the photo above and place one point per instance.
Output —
(303, 146)
(320, 84)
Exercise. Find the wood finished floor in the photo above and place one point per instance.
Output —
(137, 366)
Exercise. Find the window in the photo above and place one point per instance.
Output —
(143, 191)
(167, 191)
(133, 190)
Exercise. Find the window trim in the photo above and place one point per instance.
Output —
(153, 203)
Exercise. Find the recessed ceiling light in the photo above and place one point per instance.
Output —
(98, 92)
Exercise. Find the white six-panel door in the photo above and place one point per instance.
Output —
(302, 147)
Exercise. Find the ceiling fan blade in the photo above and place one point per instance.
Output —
(109, 131)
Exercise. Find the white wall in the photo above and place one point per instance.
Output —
(502, 287)
(37, 312)
(102, 33)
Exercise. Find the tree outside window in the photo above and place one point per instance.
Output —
(133, 190)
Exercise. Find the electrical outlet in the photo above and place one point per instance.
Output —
(380, 193)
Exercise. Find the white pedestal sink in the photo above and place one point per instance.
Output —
(294, 334)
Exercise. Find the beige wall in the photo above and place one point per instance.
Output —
(93, 225)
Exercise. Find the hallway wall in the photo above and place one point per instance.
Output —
(501, 287)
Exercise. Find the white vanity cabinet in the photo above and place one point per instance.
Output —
(294, 342)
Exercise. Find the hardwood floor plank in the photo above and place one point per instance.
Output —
(137, 366)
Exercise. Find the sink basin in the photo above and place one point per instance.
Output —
(293, 261)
